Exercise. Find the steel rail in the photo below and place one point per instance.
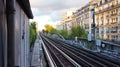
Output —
(86, 59)
(95, 56)
(54, 56)
(70, 59)
(100, 59)
(50, 60)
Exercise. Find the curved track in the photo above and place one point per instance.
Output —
(83, 57)
(59, 59)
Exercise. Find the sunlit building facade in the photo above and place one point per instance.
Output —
(67, 20)
(59, 26)
(107, 19)
(85, 17)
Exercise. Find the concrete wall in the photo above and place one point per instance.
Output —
(21, 37)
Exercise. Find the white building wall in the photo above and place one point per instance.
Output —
(27, 44)
(17, 35)
(21, 37)
(59, 26)
(22, 64)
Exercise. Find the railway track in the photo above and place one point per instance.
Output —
(98, 56)
(83, 57)
(80, 58)
(59, 59)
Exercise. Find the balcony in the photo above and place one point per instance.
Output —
(107, 23)
(112, 5)
(114, 32)
(107, 16)
(115, 5)
(114, 14)
(102, 24)
(108, 8)
(105, 3)
(114, 23)
(108, 31)
(97, 32)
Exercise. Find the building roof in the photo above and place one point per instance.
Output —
(25, 5)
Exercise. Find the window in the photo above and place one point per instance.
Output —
(101, 2)
(108, 14)
(117, 11)
(112, 20)
(116, 1)
(108, 5)
(102, 22)
(108, 21)
(113, 3)
(116, 19)
(106, 0)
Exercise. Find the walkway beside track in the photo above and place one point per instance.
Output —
(37, 54)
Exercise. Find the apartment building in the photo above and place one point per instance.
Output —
(84, 17)
(59, 26)
(107, 19)
(67, 20)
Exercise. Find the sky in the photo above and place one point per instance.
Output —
(50, 11)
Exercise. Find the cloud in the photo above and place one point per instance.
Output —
(56, 4)
(50, 11)
(49, 6)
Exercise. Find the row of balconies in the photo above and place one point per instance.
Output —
(111, 23)
(108, 23)
(107, 32)
(82, 14)
(108, 8)
(106, 1)
(112, 15)
(108, 16)
(113, 31)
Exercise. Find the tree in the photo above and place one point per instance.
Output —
(75, 31)
(33, 24)
(64, 33)
(79, 32)
(48, 27)
(53, 30)
(33, 33)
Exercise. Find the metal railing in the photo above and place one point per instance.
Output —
(92, 45)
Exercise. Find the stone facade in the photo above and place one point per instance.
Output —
(107, 18)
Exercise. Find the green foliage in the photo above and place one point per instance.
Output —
(64, 33)
(79, 32)
(33, 33)
(75, 31)
(53, 30)
(48, 28)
